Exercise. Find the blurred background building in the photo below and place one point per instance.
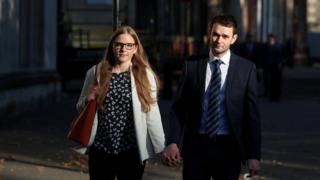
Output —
(28, 56)
(46, 44)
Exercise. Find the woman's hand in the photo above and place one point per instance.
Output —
(92, 93)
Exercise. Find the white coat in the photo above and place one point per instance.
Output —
(148, 126)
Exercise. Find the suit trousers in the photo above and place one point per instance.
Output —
(103, 166)
(217, 158)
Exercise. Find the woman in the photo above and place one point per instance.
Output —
(129, 129)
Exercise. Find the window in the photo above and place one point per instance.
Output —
(94, 2)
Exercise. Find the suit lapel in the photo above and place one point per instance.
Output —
(231, 73)
(202, 70)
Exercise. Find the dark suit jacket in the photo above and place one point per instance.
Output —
(241, 106)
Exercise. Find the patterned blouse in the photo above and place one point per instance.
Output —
(116, 131)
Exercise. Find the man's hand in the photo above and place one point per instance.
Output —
(254, 166)
(171, 155)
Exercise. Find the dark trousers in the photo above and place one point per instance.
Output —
(103, 166)
(218, 159)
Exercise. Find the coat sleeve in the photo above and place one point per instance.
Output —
(154, 123)
(89, 79)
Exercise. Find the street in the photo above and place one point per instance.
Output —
(33, 146)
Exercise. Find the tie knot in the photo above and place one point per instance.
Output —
(216, 63)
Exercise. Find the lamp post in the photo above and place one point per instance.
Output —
(115, 11)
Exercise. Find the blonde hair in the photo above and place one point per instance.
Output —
(139, 66)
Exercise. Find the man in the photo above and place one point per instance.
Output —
(219, 127)
(272, 68)
(249, 49)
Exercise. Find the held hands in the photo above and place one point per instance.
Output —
(254, 167)
(171, 155)
(92, 93)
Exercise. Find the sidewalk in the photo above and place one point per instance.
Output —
(34, 147)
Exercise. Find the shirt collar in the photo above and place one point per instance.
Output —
(225, 58)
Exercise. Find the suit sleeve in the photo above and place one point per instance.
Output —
(253, 129)
(177, 114)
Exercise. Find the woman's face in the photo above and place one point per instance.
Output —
(124, 48)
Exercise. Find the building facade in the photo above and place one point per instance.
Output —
(38, 36)
(27, 54)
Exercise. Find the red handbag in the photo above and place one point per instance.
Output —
(81, 125)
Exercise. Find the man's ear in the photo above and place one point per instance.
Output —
(234, 38)
(209, 39)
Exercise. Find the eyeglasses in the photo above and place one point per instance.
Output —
(127, 46)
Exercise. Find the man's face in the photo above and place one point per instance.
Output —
(271, 40)
(221, 37)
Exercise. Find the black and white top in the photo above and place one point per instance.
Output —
(116, 132)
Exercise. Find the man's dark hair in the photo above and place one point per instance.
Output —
(225, 20)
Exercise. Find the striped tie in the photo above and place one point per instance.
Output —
(213, 113)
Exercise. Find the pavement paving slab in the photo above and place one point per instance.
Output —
(33, 146)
